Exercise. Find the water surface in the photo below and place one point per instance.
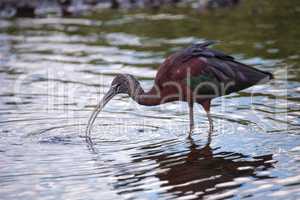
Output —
(53, 71)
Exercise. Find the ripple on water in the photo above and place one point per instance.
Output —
(55, 70)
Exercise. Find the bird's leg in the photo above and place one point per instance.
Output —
(209, 137)
(206, 106)
(191, 116)
(210, 121)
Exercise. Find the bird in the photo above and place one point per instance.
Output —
(196, 74)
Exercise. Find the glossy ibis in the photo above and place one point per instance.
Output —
(195, 74)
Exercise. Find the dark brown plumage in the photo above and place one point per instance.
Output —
(195, 74)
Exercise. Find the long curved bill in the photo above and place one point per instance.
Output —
(107, 97)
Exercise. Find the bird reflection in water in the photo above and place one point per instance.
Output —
(196, 171)
(201, 169)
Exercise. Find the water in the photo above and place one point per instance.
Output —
(53, 71)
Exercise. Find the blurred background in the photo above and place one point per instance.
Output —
(57, 59)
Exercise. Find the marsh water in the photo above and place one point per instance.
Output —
(53, 72)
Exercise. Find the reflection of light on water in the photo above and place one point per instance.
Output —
(55, 70)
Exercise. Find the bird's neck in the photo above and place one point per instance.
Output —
(149, 98)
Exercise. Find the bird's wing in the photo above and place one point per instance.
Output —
(197, 64)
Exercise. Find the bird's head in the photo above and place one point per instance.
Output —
(121, 84)
(124, 84)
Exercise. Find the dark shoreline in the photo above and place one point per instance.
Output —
(44, 8)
